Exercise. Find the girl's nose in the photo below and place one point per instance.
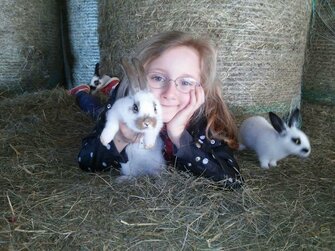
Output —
(170, 90)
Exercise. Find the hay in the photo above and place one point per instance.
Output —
(261, 43)
(82, 24)
(319, 70)
(31, 56)
(47, 203)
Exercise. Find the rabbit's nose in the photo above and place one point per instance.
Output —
(146, 122)
(305, 150)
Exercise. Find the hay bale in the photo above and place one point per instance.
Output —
(261, 43)
(30, 56)
(319, 70)
(82, 17)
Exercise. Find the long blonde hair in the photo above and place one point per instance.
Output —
(220, 122)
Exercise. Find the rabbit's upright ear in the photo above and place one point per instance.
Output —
(294, 118)
(134, 74)
(140, 74)
(129, 77)
(96, 70)
(277, 123)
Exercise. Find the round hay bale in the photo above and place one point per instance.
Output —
(31, 56)
(82, 17)
(319, 70)
(260, 43)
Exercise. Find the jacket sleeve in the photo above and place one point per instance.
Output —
(93, 155)
(209, 158)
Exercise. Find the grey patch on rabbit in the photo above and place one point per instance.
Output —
(275, 141)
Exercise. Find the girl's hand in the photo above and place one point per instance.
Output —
(125, 136)
(177, 125)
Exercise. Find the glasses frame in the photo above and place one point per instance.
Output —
(168, 80)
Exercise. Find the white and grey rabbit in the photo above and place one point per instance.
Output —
(98, 81)
(142, 113)
(275, 141)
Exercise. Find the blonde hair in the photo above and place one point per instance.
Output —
(220, 122)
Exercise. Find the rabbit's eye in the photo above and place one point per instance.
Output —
(296, 141)
(155, 107)
(135, 108)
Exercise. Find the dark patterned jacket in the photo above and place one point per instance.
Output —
(209, 158)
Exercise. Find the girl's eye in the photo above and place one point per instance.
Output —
(158, 78)
(186, 82)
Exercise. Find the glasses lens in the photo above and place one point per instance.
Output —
(186, 85)
(159, 81)
(156, 80)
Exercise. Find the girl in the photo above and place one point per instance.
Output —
(199, 131)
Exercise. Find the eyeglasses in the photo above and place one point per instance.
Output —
(160, 81)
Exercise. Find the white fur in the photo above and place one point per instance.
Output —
(121, 111)
(258, 134)
(143, 161)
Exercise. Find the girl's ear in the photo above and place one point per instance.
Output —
(294, 118)
(277, 123)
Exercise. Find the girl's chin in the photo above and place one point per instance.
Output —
(168, 114)
(167, 117)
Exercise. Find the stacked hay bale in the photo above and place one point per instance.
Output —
(30, 56)
(319, 70)
(260, 43)
(82, 20)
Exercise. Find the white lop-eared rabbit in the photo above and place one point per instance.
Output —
(275, 141)
(142, 113)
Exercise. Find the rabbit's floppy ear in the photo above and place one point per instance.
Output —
(294, 118)
(134, 73)
(277, 123)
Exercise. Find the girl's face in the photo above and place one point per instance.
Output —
(179, 62)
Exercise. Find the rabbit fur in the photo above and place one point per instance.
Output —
(143, 161)
(275, 141)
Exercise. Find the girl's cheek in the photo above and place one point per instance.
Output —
(185, 99)
(156, 93)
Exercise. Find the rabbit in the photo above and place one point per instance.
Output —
(142, 161)
(275, 141)
(140, 110)
(98, 82)
(96, 77)
(142, 113)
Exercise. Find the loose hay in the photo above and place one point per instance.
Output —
(47, 203)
